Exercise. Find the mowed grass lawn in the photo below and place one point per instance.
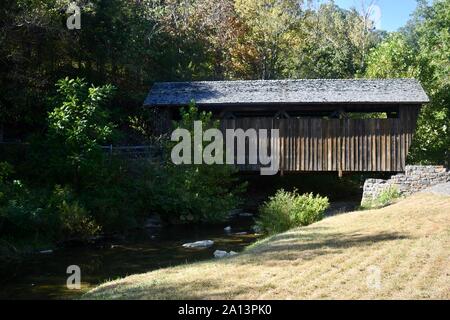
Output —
(398, 252)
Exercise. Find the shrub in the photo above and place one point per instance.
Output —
(197, 192)
(386, 197)
(121, 196)
(287, 210)
(189, 195)
(21, 213)
(72, 219)
(42, 214)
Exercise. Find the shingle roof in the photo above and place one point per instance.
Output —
(286, 91)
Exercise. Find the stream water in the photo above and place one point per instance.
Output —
(44, 276)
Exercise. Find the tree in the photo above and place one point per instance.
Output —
(271, 27)
(115, 45)
(393, 58)
(433, 136)
(204, 193)
(332, 43)
(421, 51)
(78, 124)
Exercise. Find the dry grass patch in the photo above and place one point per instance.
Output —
(398, 252)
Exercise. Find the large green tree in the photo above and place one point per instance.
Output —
(77, 125)
(421, 50)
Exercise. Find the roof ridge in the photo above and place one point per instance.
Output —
(289, 80)
(356, 90)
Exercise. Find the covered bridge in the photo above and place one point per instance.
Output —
(325, 125)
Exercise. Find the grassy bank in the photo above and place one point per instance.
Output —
(406, 244)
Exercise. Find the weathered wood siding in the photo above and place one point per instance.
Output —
(348, 145)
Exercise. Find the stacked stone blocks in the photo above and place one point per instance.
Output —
(415, 179)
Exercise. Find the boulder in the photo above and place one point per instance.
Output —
(199, 244)
(219, 254)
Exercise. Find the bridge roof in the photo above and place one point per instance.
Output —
(260, 92)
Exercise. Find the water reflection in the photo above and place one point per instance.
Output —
(44, 276)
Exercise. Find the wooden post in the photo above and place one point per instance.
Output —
(340, 147)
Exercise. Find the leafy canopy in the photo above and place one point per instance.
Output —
(78, 124)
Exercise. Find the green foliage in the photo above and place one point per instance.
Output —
(121, 195)
(432, 143)
(385, 198)
(393, 58)
(73, 221)
(336, 43)
(418, 51)
(283, 39)
(104, 188)
(21, 211)
(78, 124)
(115, 46)
(132, 44)
(43, 214)
(287, 210)
(97, 191)
(78, 119)
(270, 35)
(196, 193)
(77, 116)
(5, 171)
(120, 199)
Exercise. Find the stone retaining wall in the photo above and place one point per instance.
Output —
(415, 179)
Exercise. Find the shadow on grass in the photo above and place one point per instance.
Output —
(294, 246)
(199, 289)
(314, 243)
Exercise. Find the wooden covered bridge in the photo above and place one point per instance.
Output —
(325, 125)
